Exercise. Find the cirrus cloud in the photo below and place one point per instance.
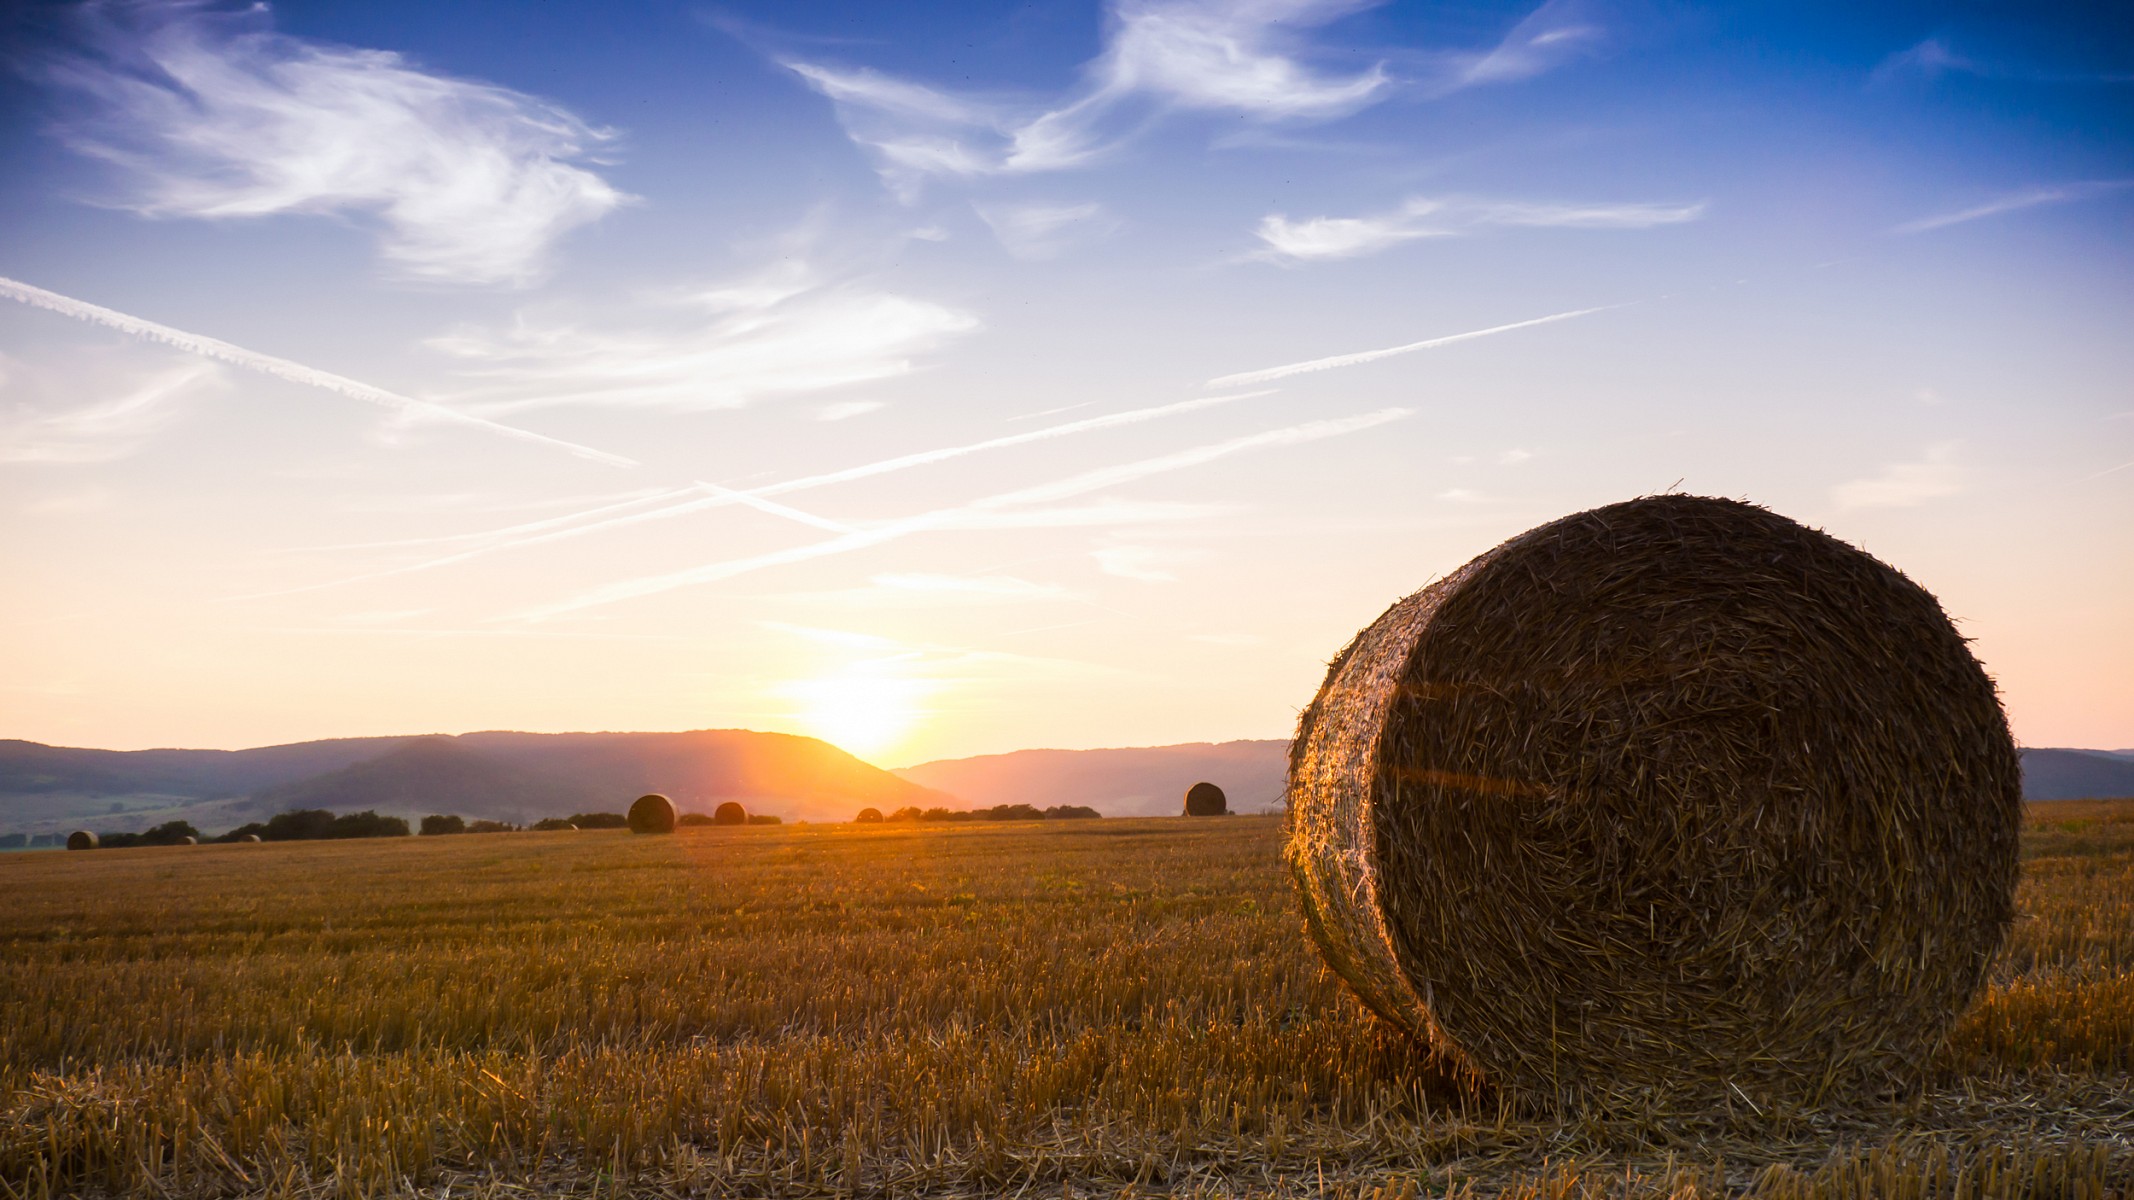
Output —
(212, 114)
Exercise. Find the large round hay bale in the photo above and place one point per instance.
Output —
(249, 839)
(1674, 796)
(1204, 799)
(653, 813)
(81, 839)
(729, 813)
(869, 816)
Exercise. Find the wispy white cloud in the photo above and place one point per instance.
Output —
(845, 410)
(102, 430)
(2017, 201)
(1159, 55)
(1320, 238)
(1905, 484)
(1143, 564)
(1547, 38)
(1267, 374)
(1939, 55)
(405, 407)
(995, 511)
(1040, 231)
(784, 332)
(213, 114)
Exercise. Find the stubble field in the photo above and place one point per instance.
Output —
(1078, 1008)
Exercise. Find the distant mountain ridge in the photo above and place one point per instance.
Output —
(1151, 781)
(522, 777)
(499, 775)
(1141, 781)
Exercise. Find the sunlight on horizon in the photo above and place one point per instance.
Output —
(864, 710)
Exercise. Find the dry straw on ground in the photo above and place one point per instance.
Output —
(1673, 799)
(1204, 799)
(729, 813)
(653, 813)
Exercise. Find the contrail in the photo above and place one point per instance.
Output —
(1364, 356)
(560, 528)
(282, 368)
(948, 518)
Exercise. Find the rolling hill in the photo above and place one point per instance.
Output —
(1151, 781)
(503, 776)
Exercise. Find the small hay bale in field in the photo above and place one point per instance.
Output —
(249, 839)
(1206, 800)
(729, 813)
(653, 813)
(81, 839)
(1673, 798)
(869, 816)
(187, 840)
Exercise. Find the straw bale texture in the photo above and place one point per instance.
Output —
(1672, 798)
(729, 813)
(653, 813)
(81, 839)
(1204, 799)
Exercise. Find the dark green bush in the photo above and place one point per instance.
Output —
(435, 824)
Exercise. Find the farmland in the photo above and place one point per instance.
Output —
(1062, 1008)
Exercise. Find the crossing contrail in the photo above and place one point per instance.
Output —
(282, 368)
(1363, 356)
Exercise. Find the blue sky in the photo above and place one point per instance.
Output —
(944, 379)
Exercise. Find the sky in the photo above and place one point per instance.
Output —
(953, 378)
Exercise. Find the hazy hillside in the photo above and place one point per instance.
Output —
(525, 776)
(505, 776)
(1142, 781)
(1149, 781)
(2076, 774)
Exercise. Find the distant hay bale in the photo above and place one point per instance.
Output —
(1206, 800)
(249, 838)
(869, 816)
(729, 813)
(1674, 797)
(81, 839)
(653, 813)
(187, 840)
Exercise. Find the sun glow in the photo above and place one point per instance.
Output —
(864, 709)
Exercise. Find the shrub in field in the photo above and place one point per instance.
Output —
(170, 833)
(249, 838)
(729, 813)
(765, 819)
(1204, 799)
(653, 813)
(554, 825)
(869, 816)
(1071, 812)
(907, 813)
(600, 820)
(486, 826)
(434, 825)
(695, 819)
(317, 824)
(1671, 799)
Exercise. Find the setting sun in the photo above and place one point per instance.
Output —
(864, 709)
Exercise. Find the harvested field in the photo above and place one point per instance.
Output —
(1065, 1008)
